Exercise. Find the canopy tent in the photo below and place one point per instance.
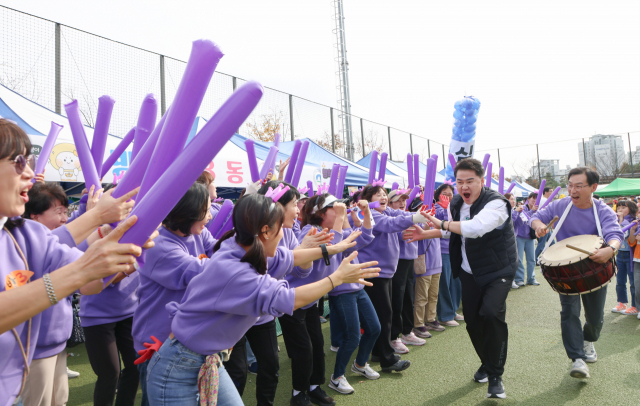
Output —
(400, 169)
(621, 187)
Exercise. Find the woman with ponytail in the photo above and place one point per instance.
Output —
(182, 250)
(233, 291)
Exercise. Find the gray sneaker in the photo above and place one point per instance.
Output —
(534, 283)
(421, 332)
(590, 352)
(579, 369)
(434, 326)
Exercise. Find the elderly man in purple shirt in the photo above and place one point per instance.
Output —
(583, 212)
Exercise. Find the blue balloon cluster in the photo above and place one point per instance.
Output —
(465, 116)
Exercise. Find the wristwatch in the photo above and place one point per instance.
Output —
(442, 225)
(325, 254)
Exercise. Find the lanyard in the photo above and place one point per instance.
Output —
(564, 216)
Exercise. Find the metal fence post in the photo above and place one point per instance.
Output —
(333, 136)
(444, 161)
(633, 175)
(389, 132)
(291, 116)
(429, 148)
(163, 100)
(233, 81)
(58, 73)
(538, 155)
(411, 143)
(362, 135)
(584, 152)
(499, 165)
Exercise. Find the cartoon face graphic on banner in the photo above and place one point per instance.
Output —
(64, 159)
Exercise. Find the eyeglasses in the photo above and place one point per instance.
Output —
(21, 163)
(576, 188)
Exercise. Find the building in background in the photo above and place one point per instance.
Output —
(603, 152)
(549, 167)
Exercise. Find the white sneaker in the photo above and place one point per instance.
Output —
(399, 347)
(579, 369)
(72, 374)
(411, 339)
(334, 349)
(638, 316)
(341, 385)
(590, 352)
(367, 371)
(514, 285)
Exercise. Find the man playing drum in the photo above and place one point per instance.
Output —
(581, 214)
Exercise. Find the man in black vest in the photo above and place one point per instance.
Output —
(484, 256)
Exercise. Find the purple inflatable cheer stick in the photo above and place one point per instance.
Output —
(293, 161)
(373, 165)
(415, 192)
(82, 146)
(540, 192)
(511, 186)
(383, 166)
(253, 162)
(193, 159)
(146, 123)
(428, 185)
(203, 60)
(416, 169)
(310, 186)
(335, 170)
(501, 181)
(101, 131)
(410, 171)
(341, 179)
(266, 166)
(394, 186)
(228, 225)
(551, 196)
(488, 175)
(276, 140)
(300, 164)
(218, 222)
(46, 148)
(452, 161)
(627, 227)
(115, 155)
(435, 158)
(485, 161)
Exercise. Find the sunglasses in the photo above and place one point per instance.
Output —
(21, 163)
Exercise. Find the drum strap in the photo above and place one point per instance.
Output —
(564, 216)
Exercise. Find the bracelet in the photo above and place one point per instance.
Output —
(442, 225)
(332, 285)
(325, 254)
(100, 232)
(49, 287)
(447, 229)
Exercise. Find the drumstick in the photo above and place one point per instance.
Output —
(551, 223)
(580, 249)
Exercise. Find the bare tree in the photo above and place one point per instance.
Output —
(28, 87)
(86, 106)
(264, 127)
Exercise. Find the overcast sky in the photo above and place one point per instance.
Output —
(543, 70)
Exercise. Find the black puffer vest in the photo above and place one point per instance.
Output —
(492, 256)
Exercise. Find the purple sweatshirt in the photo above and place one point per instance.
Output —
(215, 208)
(44, 254)
(581, 221)
(385, 247)
(321, 271)
(521, 222)
(226, 299)
(296, 229)
(115, 303)
(408, 250)
(168, 269)
(433, 257)
(442, 214)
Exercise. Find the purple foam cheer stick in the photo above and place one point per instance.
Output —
(310, 186)
(82, 146)
(627, 227)
(228, 225)
(452, 161)
(341, 179)
(293, 161)
(115, 155)
(266, 166)
(501, 181)
(550, 198)
(203, 61)
(540, 192)
(485, 161)
(253, 162)
(488, 175)
(218, 222)
(146, 123)
(394, 186)
(276, 140)
(101, 130)
(333, 181)
(511, 186)
(47, 148)
(372, 205)
(383, 166)
(410, 170)
(428, 185)
(416, 169)
(415, 192)
(373, 166)
(192, 160)
(300, 164)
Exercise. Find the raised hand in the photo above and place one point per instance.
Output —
(113, 210)
(93, 197)
(314, 238)
(345, 244)
(444, 201)
(356, 273)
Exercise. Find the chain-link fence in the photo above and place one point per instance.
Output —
(52, 64)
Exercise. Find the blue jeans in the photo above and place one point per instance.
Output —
(525, 246)
(172, 378)
(625, 269)
(142, 369)
(349, 312)
(541, 243)
(450, 292)
(336, 334)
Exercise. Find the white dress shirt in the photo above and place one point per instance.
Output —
(492, 216)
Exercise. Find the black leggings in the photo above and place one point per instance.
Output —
(402, 293)
(103, 343)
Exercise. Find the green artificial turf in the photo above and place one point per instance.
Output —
(441, 372)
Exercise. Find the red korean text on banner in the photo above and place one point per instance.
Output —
(210, 169)
(234, 172)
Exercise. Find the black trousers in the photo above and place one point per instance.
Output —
(237, 365)
(380, 295)
(103, 343)
(264, 343)
(305, 345)
(484, 311)
(402, 293)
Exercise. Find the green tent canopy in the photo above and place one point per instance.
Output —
(621, 187)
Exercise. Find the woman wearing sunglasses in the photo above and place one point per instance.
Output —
(37, 268)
